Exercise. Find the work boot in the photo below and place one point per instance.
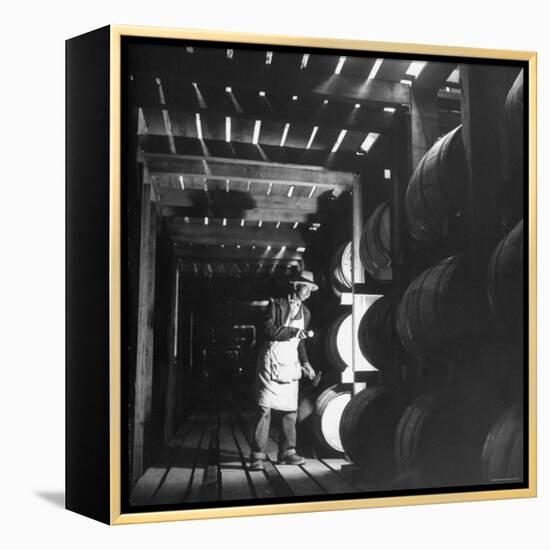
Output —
(293, 459)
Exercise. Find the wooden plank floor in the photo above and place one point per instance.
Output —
(208, 459)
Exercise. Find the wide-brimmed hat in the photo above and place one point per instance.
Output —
(305, 278)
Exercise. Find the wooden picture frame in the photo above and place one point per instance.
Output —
(442, 198)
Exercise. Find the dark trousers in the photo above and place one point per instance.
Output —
(287, 432)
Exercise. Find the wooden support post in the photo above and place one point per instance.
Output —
(181, 352)
(144, 352)
(191, 341)
(171, 384)
(357, 220)
(134, 178)
(186, 384)
(358, 361)
(424, 128)
(424, 122)
(401, 149)
(401, 154)
(484, 95)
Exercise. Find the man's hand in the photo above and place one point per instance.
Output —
(317, 379)
(308, 371)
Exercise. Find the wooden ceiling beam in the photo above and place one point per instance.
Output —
(232, 253)
(340, 161)
(244, 236)
(231, 270)
(252, 215)
(237, 203)
(240, 263)
(244, 170)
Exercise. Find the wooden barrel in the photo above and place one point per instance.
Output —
(377, 334)
(436, 189)
(339, 342)
(340, 272)
(505, 280)
(306, 438)
(328, 412)
(374, 247)
(306, 403)
(503, 449)
(513, 159)
(440, 436)
(514, 114)
(408, 454)
(367, 429)
(444, 307)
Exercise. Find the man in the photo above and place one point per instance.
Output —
(282, 361)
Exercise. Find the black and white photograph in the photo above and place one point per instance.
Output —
(275, 274)
(323, 274)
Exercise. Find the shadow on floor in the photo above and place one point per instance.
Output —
(57, 498)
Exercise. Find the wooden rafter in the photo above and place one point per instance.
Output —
(184, 124)
(306, 87)
(243, 170)
(336, 116)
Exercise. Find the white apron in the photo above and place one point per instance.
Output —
(279, 370)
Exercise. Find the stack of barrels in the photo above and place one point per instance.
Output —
(461, 427)
(503, 449)
(447, 436)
